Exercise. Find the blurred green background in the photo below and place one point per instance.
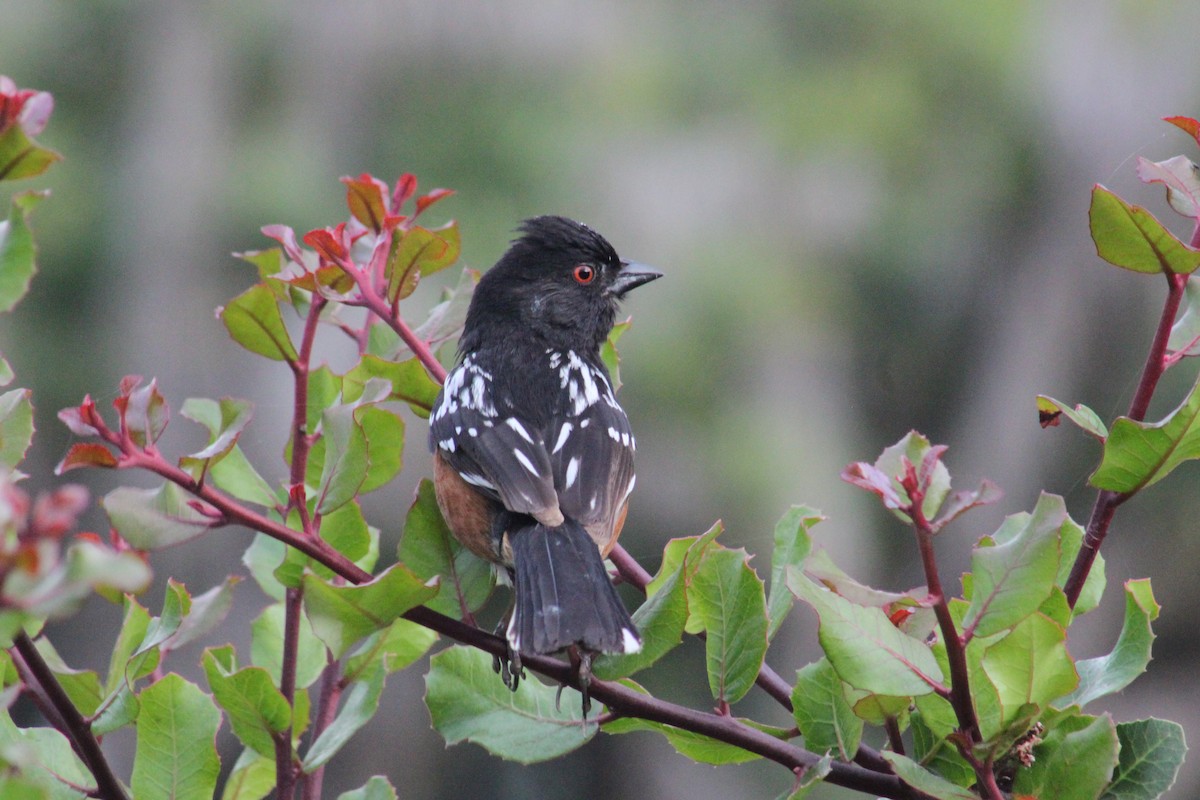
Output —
(872, 217)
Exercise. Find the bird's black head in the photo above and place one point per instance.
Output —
(560, 281)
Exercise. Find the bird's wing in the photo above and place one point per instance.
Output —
(502, 456)
(591, 446)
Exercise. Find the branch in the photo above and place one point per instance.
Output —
(76, 728)
(625, 702)
(1157, 361)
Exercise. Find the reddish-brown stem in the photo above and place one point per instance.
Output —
(327, 706)
(74, 726)
(893, 733)
(285, 767)
(301, 438)
(956, 654)
(1157, 361)
(370, 299)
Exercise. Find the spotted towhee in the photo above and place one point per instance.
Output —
(533, 457)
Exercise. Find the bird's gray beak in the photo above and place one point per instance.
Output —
(631, 276)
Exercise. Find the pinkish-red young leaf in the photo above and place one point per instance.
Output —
(1186, 124)
(406, 186)
(962, 502)
(129, 383)
(869, 477)
(286, 237)
(75, 418)
(25, 107)
(57, 512)
(426, 200)
(329, 243)
(367, 198)
(86, 454)
(1180, 177)
(929, 463)
(146, 414)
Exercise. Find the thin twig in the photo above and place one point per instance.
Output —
(76, 727)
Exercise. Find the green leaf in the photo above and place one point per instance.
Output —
(1031, 665)
(152, 518)
(937, 754)
(923, 780)
(396, 647)
(346, 530)
(660, 620)
(1138, 454)
(1130, 237)
(45, 759)
(176, 756)
(206, 612)
(16, 426)
(359, 704)
(345, 466)
(825, 719)
(1049, 410)
(418, 253)
(684, 556)
(409, 380)
(467, 702)
(18, 254)
(253, 777)
(609, 354)
(253, 320)
(1015, 575)
(1109, 674)
(257, 710)
(429, 550)
(446, 318)
(236, 475)
(225, 421)
(1074, 761)
(728, 596)
(865, 648)
(1152, 751)
(22, 157)
(377, 788)
(384, 435)
(792, 546)
(266, 647)
(342, 615)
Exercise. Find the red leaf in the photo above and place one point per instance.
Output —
(1187, 125)
(328, 243)
(86, 454)
(366, 197)
(406, 186)
(425, 201)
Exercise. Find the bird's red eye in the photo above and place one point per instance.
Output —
(584, 273)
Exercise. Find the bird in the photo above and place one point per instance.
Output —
(533, 455)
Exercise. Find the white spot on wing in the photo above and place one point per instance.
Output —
(477, 480)
(563, 433)
(525, 462)
(572, 472)
(629, 641)
(516, 425)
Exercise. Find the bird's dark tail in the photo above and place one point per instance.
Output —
(564, 595)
